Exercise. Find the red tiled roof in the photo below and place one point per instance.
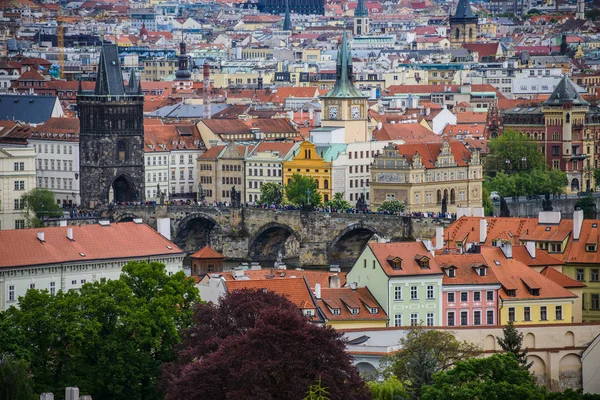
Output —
(427, 89)
(342, 298)
(295, 289)
(561, 279)
(21, 247)
(207, 252)
(406, 251)
(430, 151)
(465, 273)
(482, 49)
(282, 147)
(409, 133)
(31, 75)
(285, 92)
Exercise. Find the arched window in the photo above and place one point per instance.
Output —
(470, 33)
(457, 33)
(568, 118)
(121, 150)
(326, 184)
(317, 183)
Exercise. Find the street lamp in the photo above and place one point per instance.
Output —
(524, 163)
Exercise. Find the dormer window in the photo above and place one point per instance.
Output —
(395, 262)
(335, 311)
(423, 261)
(482, 271)
(374, 310)
(591, 247)
(511, 292)
(354, 311)
(451, 272)
(308, 312)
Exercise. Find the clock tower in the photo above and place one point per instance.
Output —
(344, 106)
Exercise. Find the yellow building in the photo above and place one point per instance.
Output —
(308, 163)
(311, 55)
(156, 70)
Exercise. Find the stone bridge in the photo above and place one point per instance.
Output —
(254, 234)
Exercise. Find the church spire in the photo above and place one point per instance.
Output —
(287, 21)
(133, 86)
(361, 10)
(463, 10)
(109, 80)
(343, 88)
(183, 72)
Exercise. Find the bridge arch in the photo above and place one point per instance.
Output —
(196, 231)
(271, 240)
(127, 217)
(347, 245)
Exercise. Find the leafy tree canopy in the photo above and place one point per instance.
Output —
(521, 153)
(110, 339)
(425, 352)
(258, 345)
(535, 182)
(492, 378)
(15, 381)
(512, 342)
(39, 204)
(338, 202)
(389, 389)
(393, 206)
(302, 190)
(271, 193)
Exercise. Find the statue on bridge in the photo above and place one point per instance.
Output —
(236, 198)
(504, 211)
(160, 194)
(547, 203)
(361, 204)
(444, 206)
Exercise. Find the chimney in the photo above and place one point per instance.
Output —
(577, 223)
(379, 125)
(47, 396)
(353, 285)
(439, 237)
(163, 226)
(530, 246)
(40, 236)
(334, 282)
(506, 248)
(482, 230)
(427, 244)
(70, 234)
(72, 393)
(318, 290)
(62, 222)
(549, 217)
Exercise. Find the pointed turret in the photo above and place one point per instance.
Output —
(133, 86)
(565, 92)
(183, 73)
(109, 80)
(361, 10)
(343, 88)
(463, 11)
(287, 21)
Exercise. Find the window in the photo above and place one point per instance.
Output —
(397, 293)
(450, 318)
(594, 275)
(19, 185)
(543, 313)
(490, 295)
(20, 224)
(490, 317)
(464, 318)
(430, 292)
(52, 288)
(398, 320)
(595, 301)
(451, 273)
(580, 275)
(476, 296)
(429, 319)
(413, 293)
(511, 314)
(11, 293)
(558, 313)
(20, 166)
(526, 313)
(555, 150)
(32, 286)
(414, 319)
(464, 296)
(477, 317)
(450, 297)
(19, 204)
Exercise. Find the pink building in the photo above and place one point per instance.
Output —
(469, 291)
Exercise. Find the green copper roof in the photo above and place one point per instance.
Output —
(565, 92)
(343, 88)
(287, 22)
(361, 10)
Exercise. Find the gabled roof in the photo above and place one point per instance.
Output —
(407, 252)
(429, 152)
(561, 278)
(565, 92)
(208, 252)
(21, 247)
(409, 133)
(294, 289)
(342, 298)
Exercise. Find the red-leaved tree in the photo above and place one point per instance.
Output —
(258, 345)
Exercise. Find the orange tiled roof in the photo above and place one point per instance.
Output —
(561, 279)
(285, 92)
(514, 275)
(409, 133)
(407, 252)
(207, 252)
(295, 289)
(22, 248)
(343, 298)
(576, 251)
(465, 273)
(430, 151)
(312, 276)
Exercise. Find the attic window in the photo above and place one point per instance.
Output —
(354, 311)
(535, 292)
(452, 272)
(496, 262)
(594, 225)
(374, 310)
(511, 292)
(169, 247)
(591, 247)
(423, 261)
(547, 229)
(335, 311)
(308, 313)
(395, 262)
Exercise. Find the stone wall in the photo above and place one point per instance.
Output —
(531, 208)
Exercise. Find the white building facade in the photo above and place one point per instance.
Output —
(17, 177)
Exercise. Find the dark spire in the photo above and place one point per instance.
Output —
(565, 92)
(361, 10)
(109, 80)
(343, 88)
(133, 86)
(287, 21)
(463, 12)
(184, 71)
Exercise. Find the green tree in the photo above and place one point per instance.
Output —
(488, 207)
(389, 389)
(491, 378)
(588, 205)
(110, 338)
(558, 181)
(524, 184)
(393, 206)
(317, 392)
(425, 352)
(15, 381)
(38, 205)
(302, 190)
(521, 152)
(338, 202)
(271, 193)
(512, 342)
(504, 184)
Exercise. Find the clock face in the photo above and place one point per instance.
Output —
(355, 112)
(333, 112)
